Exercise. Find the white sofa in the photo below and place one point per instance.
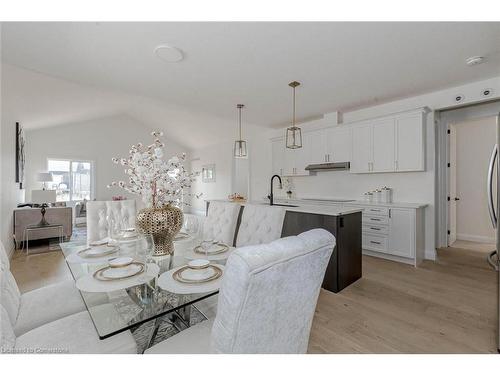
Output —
(123, 214)
(266, 301)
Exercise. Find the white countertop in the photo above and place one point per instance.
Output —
(342, 201)
(306, 208)
(329, 206)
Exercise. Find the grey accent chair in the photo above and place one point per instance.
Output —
(266, 302)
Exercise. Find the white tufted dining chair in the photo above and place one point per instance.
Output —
(123, 214)
(32, 309)
(267, 299)
(220, 223)
(260, 224)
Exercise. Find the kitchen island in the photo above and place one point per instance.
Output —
(345, 266)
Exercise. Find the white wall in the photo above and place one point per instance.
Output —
(475, 140)
(222, 156)
(98, 140)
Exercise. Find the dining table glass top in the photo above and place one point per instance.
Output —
(117, 311)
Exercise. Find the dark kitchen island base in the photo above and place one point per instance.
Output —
(345, 265)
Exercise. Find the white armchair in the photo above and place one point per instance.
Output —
(123, 214)
(266, 301)
(220, 224)
(260, 224)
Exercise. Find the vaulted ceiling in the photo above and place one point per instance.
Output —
(341, 66)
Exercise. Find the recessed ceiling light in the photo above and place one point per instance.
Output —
(474, 60)
(169, 53)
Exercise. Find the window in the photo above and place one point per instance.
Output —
(73, 180)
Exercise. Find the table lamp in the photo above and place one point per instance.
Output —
(43, 197)
(44, 177)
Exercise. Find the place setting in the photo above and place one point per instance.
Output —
(209, 249)
(198, 276)
(95, 252)
(119, 273)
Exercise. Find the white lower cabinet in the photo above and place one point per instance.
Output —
(393, 233)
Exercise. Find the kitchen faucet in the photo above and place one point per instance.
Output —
(271, 197)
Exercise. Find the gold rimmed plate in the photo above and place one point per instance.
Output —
(119, 273)
(212, 273)
(217, 248)
(97, 251)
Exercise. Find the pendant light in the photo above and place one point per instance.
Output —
(293, 133)
(240, 146)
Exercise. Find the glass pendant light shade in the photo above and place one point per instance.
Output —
(240, 149)
(293, 133)
(240, 146)
(293, 137)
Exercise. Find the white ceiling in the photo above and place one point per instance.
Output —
(341, 66)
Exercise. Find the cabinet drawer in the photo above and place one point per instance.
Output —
(376, 229)
(371, 242)
(383, 211)
(369, 219)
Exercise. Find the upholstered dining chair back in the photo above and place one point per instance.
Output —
(269, 293)
(4, 258)
(260, 224)
(122, 214)
(220, 224)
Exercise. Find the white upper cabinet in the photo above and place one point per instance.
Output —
(289, 162)
(410, 143)
(338, 144)
(318, 146)
(278, 155)
(383, 146)
(362, 149)
(390, 144)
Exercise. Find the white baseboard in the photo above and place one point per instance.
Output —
(474, 238)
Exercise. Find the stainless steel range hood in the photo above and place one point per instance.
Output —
(343, 166)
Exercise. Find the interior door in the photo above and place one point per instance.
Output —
(452, 173)
(384, 143)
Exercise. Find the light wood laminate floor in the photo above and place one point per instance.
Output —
(446, 306)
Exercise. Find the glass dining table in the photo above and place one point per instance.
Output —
(132, 308)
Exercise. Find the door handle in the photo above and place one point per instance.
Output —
(493, 263)
(456, 198)
(491, 170)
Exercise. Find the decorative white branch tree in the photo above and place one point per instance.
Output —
(159, 182)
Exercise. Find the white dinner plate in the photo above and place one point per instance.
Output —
(122, 272)
(167, 282)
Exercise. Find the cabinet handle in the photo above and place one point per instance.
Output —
(389, 213)
(375, 242)
(374, 228)
(373, 219)
(328, 157)
(374, 210)
(396, 165)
